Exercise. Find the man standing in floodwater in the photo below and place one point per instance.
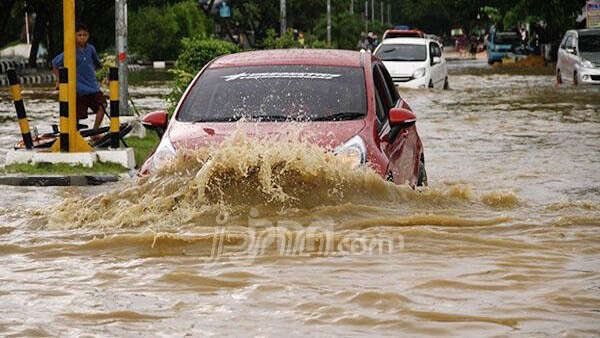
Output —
(89, 94)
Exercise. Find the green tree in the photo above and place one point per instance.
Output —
(156, 32)
(195, 54)
(345, 29)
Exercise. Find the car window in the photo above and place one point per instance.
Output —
(589, 43)
(382, 97)
(563, 44)
(380, 111)
(389, 83)
(568, 43)
(438, 50)
(294, 91)
(507, 38)
(386, 96)
(402, 52)
(574, 42)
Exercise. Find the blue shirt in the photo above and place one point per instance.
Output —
(87, 62)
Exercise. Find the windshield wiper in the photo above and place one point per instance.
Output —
(248, 118)
(340, 116)
(399, 59)
(222, 119)
(269, 118)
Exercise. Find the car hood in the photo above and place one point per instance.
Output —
(327, 134)
(403, 68)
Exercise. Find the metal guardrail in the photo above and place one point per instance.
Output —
(43, 77)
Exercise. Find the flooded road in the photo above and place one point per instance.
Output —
(270, 241)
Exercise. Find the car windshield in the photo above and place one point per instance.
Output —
(402, 52)
(589, 43)
(274, 93)
(507, 39)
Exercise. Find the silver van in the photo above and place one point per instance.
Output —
(579, 57)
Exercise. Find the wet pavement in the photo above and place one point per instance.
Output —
(505, 241)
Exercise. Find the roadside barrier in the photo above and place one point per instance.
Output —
(15, 89)
(63, 98)
(30, 79)
(20, 63)
(115, 125)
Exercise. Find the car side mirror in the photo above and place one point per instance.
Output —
(401, 116)
(436, 60)
(157, 121)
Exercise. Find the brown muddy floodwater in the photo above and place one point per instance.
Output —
(256, 239)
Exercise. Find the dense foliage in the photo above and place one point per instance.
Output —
(195, 54)
(157, 26)
(156, 33)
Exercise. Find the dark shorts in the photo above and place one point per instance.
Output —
(91, 101)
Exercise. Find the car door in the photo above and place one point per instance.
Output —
(569, 60)
(443, 65)
(562, 57)
(434, 67)
(397, 143)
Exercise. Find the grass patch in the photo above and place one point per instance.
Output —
(149, 75)
(64, 169)
(142, 147)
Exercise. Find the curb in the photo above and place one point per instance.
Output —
(57, 181)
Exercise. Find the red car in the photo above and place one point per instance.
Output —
(345, 99)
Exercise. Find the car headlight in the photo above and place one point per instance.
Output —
(164, 152)
(354, 152)
(419, 73)
(587, 64)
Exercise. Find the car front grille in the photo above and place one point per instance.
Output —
(595, 77)
(401, 78)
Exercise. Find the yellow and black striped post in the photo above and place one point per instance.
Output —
(113, 77)
(63, 98)
(15, 89)
(76, 142)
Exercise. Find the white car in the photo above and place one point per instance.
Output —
(414, 62)
(579, 57)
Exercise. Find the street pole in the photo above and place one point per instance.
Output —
(390, 14)
(366, 16)
(329, 23)
(282, 14)
(351, 6)
(76, 142)
(381, 10)
(373, 10)
(121, 37)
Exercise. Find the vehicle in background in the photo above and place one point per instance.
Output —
(414, 62)
(501, 44)
(402, 33)
(579, 57)
(344, 101)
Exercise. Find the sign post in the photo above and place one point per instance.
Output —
(122, 56)
(592, 9)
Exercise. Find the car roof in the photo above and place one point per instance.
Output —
(583, 32)
(406, 41)
(314, 57)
